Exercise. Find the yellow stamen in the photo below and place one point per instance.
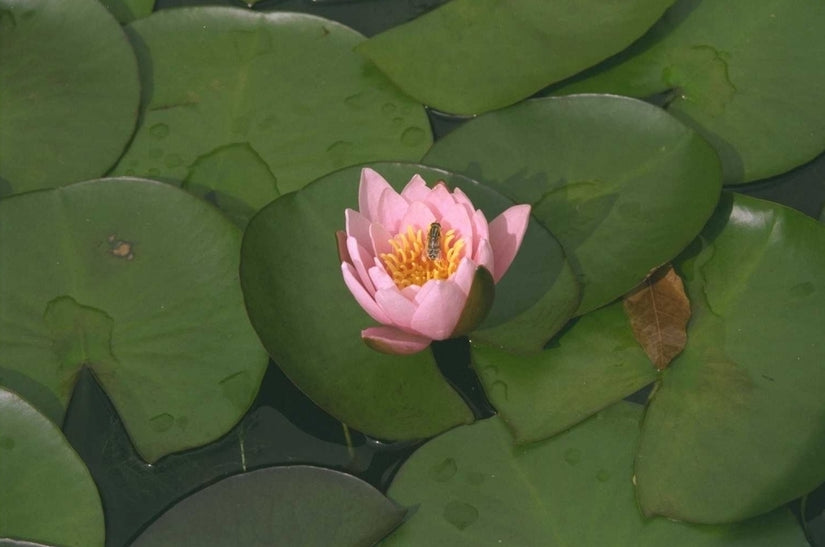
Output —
(408, 263)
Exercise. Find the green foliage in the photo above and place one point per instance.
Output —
(46, 493)
(621, 184)
(756, 93)
(136, 280)
(313, 507)
(472, 487)
(68, 93)
(156, 296)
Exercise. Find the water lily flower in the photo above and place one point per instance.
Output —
(424, 262)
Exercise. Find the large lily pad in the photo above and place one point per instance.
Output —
(623, 185)
(46, 493)
(740, 412)
(590, 365)
(299, 505)
(69, 92)
(129, 10)
(311, 324)
(472, 487)
(471, 56)
(757, 93)
(136, 280)
(270, 101)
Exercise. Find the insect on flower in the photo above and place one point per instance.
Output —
(434, 241)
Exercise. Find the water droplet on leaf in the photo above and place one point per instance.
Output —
(444, 471)
(460, 514)
(573, 456)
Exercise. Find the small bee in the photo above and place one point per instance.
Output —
(434, 241)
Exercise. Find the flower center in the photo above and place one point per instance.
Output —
(418, 257)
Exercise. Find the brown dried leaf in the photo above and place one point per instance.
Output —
(659, 311)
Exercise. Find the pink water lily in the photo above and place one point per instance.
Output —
(423, 262)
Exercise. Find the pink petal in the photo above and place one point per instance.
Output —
(461, 198)
(411, 292)
(391, 209)
(393, 341)
(440, 304)
(341, 238)
(360, 259)
(380, 278)
(399, 310)
(369, 193)
(506, 234)
(358, 226)
(415, 190)
(456, 217)
(463, 276)
(485, 256)
(361, 295)
(482, 231)
(419, 216)
(440, 199)
(380, 238)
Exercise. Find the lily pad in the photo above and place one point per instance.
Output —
(622, 184)
(69, 93)
(297, 505)
(471, 56)
(126, 11)
(272, 100)
(592, 364)
(46, 492)
(740, 412)
(136, 280)
(311, 324)
(472, 487)
(757, 94)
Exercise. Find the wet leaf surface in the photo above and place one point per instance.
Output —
(234, 106)
(471, 56)
(757, 93)
(66, 120)
(472, 487)
(600, 171)
(46, 492)
(589, 365)
(92, 279)
(293, 505)
(740, 411)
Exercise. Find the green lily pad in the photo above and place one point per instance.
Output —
(621, 184)
(472, 487)
(297, 505)
(756, 93)
(136, 280)
(126, 11)
(471, 56)
(740, 413)
(69, 92)
(46, 493)
(20, 543)
(592, 364)
(269, 100)
(311, 324)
